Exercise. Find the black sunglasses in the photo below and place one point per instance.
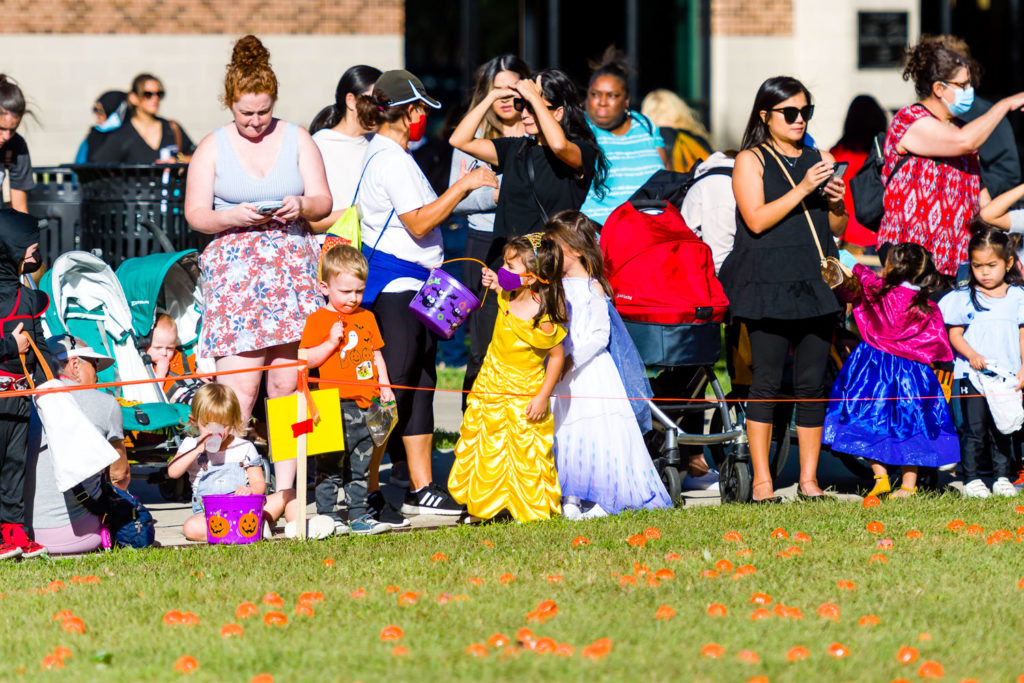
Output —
(520, 104)
(150, 94)
(789, 113)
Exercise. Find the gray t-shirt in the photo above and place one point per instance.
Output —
(45, 506)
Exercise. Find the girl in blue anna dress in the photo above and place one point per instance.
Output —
(887, 405)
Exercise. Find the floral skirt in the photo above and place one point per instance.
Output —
(259, 286)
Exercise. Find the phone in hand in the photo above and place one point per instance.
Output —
(838, 171)
(268, 208)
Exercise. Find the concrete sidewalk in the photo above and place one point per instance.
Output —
(448, 416)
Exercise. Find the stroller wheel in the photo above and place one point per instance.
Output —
(734, 476)
(174, 490)
(673, 482)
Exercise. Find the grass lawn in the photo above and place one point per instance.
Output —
(950, 595)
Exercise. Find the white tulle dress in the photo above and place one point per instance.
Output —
(600, 453)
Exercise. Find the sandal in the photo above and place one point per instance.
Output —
(882, 486)
(909, 492)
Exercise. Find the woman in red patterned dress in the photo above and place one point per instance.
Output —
(932, 158)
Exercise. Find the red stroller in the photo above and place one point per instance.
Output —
(673, 307)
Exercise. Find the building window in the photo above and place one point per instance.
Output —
(881, 39)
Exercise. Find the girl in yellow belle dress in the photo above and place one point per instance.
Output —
(504, 459)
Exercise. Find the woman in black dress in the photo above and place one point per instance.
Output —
(145, 138)
(773, 277)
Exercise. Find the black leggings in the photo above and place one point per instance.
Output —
(410, 353)
(488, 248)
(770, 342)
(14, 418)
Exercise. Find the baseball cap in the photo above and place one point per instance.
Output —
(66, 347)
(401, 87)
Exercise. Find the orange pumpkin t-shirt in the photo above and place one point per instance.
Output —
(352, 362)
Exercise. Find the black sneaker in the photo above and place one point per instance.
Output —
(431, 500)
(384, 512)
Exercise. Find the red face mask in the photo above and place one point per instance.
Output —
(418, 128)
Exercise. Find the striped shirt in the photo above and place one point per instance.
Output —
(632, 159)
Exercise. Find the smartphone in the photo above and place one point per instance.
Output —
(838, 171)
(268, 208)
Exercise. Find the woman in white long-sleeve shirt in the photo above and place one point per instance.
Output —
(709, 207)
(501, 121)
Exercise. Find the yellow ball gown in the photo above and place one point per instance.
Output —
(502, 460)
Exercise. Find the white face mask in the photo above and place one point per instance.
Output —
(216, 440)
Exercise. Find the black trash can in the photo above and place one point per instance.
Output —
(56, 197)
(118, 201)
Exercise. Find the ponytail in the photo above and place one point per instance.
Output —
(374, 110)
(355, 81)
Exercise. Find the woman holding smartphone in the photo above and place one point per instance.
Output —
(254, 185)
(784, 189)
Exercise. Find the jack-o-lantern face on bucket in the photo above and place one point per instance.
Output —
(217, 526)
(248, 525)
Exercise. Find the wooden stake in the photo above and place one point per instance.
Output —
(300, 451)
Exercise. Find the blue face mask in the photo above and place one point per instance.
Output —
(962, 101)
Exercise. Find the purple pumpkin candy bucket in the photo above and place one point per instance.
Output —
(443, 303)
(233, 520)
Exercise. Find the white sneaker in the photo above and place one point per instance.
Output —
(976, 488)
(340, 528)
(1003, 487)
(572, 512)
(320, 526)
(595, 512)
(705, 482)
(267, 533)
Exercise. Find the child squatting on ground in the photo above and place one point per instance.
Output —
(219, 461)
(600, 452)
(504, 459)
(887, 404)
(984, 321)
(343, 342)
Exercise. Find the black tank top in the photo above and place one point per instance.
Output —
(777, 274)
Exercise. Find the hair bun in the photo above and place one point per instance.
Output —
(249, 53)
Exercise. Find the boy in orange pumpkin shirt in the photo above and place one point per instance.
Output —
(342, 340)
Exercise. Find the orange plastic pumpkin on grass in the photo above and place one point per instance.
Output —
(673, 557)
(829, 610)
(554, 578)
(871, 502)
(846, 585)
(186, 664)
(955, 525)
(311, 597)
(506, 578)
(399, 651)
(391, 633)
(73, 625)
(303, 609)
(580, 541)
(652, 533)
(408, 598)
(906, 655)
(838, 650)
(262, 678)
(244, 610)
(717, 609)
(761, 599)
(748, 656)
(760, 613)
(724, 566)
(273, 600)
(914, 533)
(712, 651)
(797, 653)
(637, 540)
(275, 619)
(476, 650)
(51, 662)
(597, 649)
(732, 537)
(231, 630)
(869, 620)
(438, 557)
(931, 670)
(664, 612)
(498, 640)
(875, 527)
(357, 594)
(780, 533)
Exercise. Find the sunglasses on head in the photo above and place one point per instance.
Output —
(520, 104)
(789, 113)
(150, 94)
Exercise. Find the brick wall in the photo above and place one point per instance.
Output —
(232, 17)
(752, 17)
